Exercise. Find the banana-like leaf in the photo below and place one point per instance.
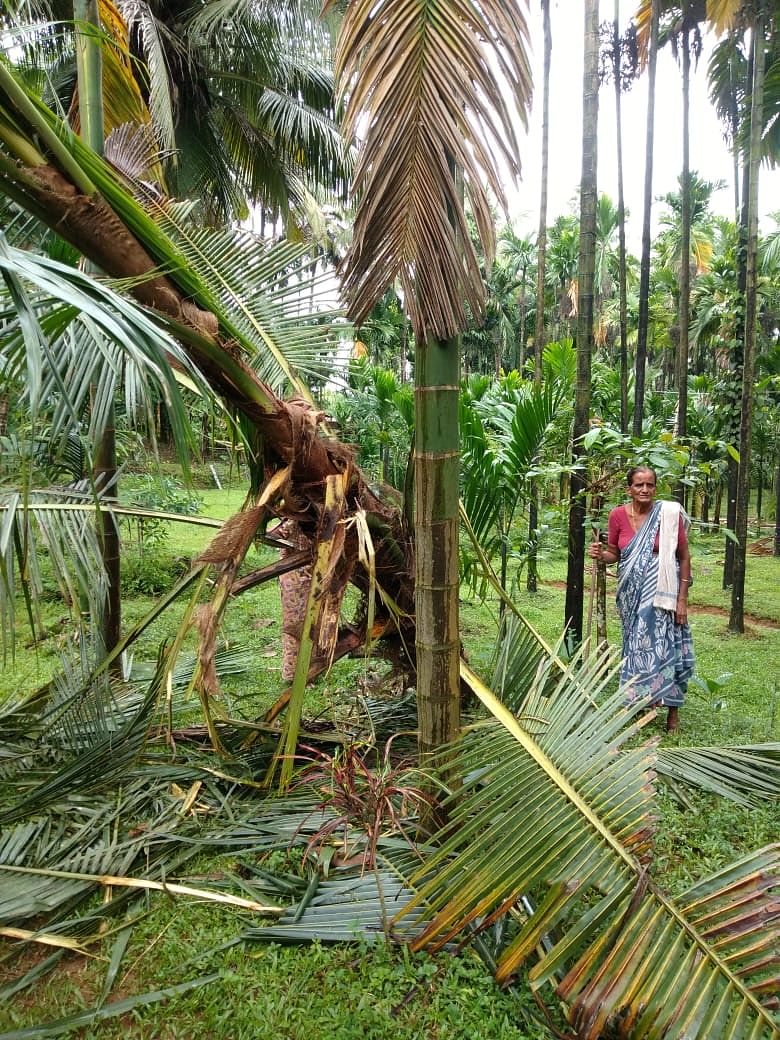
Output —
(565, 820)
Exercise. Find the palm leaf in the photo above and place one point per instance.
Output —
(270, 297)
(103, 756)
(75, 334)
(565, 820)
(341, 909)
(501, 437)
(139, 19)
(428, 104)
(747, 774)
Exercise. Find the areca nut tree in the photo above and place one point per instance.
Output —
(586, 278)
(652, 10)
(541, 268)
(736, 617)
(435, 116)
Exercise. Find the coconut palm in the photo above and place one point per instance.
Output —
(238, 98)
(761, 25)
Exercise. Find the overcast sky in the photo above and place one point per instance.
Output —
(709, 154)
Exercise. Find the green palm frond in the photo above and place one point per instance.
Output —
(71, 337)
(501, 437)
(429, 104)
(140, 20)
(308, 136)
(98, 752)
(29, 531)
(339, 909)
(564, 820)
(265, 295)
(519, 657)
(748, 774)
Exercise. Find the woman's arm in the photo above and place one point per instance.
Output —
(684, 556)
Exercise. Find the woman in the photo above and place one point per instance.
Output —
(650, 540)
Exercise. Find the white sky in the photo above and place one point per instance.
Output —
(709, 155)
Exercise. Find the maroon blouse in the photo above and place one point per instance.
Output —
(620, 532)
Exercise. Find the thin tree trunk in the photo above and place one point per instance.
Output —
(586, 275)
(736, 618)
(640, 363)
(759, 494)
(777, 505)
(616, 57)
(716, 507)
(436, 465)
(685, 259)
(532, 574)
(732, 390)
(89, 70)
(520, 352)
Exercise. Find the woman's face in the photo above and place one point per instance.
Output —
(642, 488)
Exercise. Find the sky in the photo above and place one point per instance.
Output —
(709, 154)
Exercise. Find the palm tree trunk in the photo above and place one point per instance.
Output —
(644, 270)
(89, 66)
(586, 275)
(436, 465)
(732, 390)
(736, 617)
(616, 57)
(532, 574)
(685, 259)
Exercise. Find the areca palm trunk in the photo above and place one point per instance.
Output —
(89, 65)
(640, 361)
(623, 321)
(733, 388)
(586, 277)
(736, 617)
(436, 462)
(685, 259)
(532, 576)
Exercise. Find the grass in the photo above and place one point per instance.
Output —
(351, 992)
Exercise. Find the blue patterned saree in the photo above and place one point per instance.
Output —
(657, 652)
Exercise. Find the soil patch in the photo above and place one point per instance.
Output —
(700, 608)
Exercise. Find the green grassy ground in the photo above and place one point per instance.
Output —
(373, 993)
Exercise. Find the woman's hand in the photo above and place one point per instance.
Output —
(605, 553)
(681, 611)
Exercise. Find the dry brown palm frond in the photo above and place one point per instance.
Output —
(429, 86)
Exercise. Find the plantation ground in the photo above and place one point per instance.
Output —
(348, 992)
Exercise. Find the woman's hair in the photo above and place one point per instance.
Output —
(639, 469)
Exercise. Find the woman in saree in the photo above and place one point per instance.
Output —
(649, 541)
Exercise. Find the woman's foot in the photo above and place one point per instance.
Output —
(672, 720)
